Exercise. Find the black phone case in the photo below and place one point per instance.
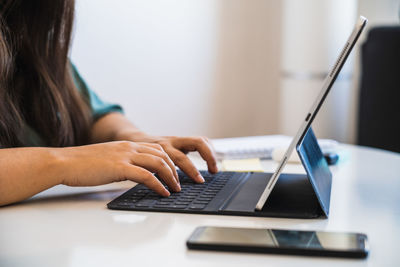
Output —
(362, 252)
(281, 251)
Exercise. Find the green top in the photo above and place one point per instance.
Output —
(98, 107)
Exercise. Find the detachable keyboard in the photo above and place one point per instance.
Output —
(192, 197)
(228, 193)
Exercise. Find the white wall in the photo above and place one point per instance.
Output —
(382, 12)
(195, 67)
(314, 33)
(184, 67)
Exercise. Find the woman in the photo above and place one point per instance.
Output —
(54, 130)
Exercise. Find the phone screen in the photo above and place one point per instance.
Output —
(292, 239)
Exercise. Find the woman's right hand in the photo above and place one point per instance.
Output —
(104, 163)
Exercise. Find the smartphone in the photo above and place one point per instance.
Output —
(277, 241)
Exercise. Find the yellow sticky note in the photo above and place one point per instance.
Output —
(242, 165)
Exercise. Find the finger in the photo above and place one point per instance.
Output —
(212, 148)
(184, 163)
(157, 165)
(158, 151)
(201, 145)
(142, 176)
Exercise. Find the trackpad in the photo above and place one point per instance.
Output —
(247, 197)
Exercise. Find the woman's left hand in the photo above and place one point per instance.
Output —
(115, 127)
(178, 147)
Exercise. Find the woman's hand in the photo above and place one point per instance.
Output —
(178, 147)
(117, 161)
(115, 126)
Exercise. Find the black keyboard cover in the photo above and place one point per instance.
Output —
(192, 197)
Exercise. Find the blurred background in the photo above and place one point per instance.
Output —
(225, 68)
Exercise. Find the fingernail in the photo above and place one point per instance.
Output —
(200, 179)
(178, 187)
(214, 169)
(166, 193)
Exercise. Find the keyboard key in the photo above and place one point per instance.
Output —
(208, 199)
(195, 189)
(162, 206)
(197, 206)
(163, 203)
(166, 200)
(212, 191)
(188, 199)
(145, 203)
(178, 207)
(201, 202)
(184, 203)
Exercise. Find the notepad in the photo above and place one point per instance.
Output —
(259, 146)
(249, 146)
(242, 165)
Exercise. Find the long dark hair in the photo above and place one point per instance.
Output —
(36, 86)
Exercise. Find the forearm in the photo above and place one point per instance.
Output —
(116, 127)
(25, 172)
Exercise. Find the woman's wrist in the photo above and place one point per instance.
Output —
(134, 135)
(115, 127)
(58, 165)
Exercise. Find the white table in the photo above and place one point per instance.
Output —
(72, 227)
